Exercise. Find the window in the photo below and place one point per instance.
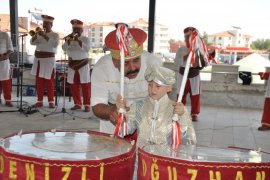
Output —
(101, 28)
(219, 38)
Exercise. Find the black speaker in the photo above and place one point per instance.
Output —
(246, 77)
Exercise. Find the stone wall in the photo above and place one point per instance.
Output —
(223, 89)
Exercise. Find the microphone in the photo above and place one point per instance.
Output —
(22, 35)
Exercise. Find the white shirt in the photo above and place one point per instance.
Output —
(105, 84)
(5, 45)
(76, 52)
(44, 45)
(180, 62)
(47, 65)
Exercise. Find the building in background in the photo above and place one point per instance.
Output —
(97, 32)
(162, 38)
(24, 26)
(231, 45)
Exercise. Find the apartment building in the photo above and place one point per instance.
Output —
(231, 45)
(97, 33)
(230, 38)
(161, 40)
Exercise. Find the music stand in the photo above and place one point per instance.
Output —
(64, 111)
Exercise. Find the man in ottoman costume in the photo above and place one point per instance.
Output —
(77, 47)
(46, 43)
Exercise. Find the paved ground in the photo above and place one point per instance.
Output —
(217, 127)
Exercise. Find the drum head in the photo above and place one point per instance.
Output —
(207, 154)
(66, 145)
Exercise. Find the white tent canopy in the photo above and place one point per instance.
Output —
(253, 63)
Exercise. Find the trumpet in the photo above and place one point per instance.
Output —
(72, 37)
(36, 32)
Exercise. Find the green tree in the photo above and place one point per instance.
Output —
(261, 44)
(205, 38)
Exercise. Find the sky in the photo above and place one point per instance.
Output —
(210, 16)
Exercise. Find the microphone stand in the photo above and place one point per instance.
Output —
(64, 93)
(21, 75)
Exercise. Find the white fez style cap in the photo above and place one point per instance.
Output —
(161, 75)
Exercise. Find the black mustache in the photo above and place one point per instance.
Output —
(132, 72)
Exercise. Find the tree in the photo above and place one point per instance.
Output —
(205, 39)
(261, 44)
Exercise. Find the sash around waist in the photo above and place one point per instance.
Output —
(43, 54)
(191, 73)
(77, 64)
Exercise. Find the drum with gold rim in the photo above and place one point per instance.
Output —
(65, 155)
(203, 163)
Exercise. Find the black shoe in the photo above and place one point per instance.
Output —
(194, 118)
(263, 128)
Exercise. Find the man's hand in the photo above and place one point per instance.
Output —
(106, 111)
(1, 57)
(68, 41)
(185, 57)
(34, 38)
(261, 75)
(121, 103)
(80, 42)
(114, 117)
(44, 35)
(5, 56)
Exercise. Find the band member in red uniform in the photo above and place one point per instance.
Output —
(266, 109)
(6, 49)
(77, 47)
(46, 42)
(193, 84)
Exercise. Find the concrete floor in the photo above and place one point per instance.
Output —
(217, 126)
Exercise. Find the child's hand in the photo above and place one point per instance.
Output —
(178, 108)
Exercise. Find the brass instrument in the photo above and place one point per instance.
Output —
(72, 37)
(36, 32)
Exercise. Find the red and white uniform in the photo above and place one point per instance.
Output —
(80, 77)
(105, 82)
(193, 85)
(266, 109)
(44, 68)
(5, 71)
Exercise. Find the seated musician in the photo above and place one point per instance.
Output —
(152, 117)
